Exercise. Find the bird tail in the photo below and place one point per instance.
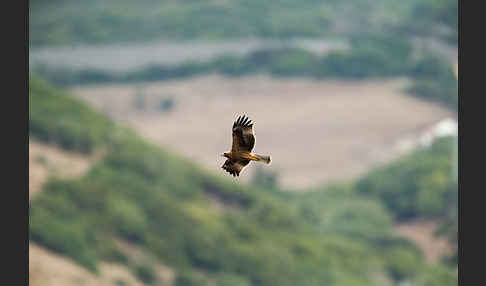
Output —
(263, 158)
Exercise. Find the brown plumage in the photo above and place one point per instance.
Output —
(243, 142)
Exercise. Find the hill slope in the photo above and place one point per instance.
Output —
(162, 203)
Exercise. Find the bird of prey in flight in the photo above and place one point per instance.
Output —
(240, 154)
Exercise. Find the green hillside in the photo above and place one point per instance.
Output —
(419, 185)
(163, 203)
(107, 21)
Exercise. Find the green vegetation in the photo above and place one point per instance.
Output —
(120, 21)
(369, 56)
(191, 278)
(434, 79)
(359, 217)
(145, 273)
(162, 203)
(419, 184)
(265, 179)
(425, 15)
(381, 34)
(55, 117)
(91, 21)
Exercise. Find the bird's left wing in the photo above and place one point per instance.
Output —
(234, 167)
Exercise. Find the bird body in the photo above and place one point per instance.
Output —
(243, 142)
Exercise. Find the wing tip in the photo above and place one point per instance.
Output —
(231, 172)
(243, 120)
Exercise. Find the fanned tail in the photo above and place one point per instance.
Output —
(264, 158)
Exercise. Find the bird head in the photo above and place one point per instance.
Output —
(225, 155)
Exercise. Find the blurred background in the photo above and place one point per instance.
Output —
(132, 102)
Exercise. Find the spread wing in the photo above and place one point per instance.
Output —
(234, 167)
(243, 135)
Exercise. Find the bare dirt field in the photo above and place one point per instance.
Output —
(316, 131)
(47, 268)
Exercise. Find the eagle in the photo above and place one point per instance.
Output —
(243, 141)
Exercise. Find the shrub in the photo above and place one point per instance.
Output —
(145, 273)
(434, 79)
(289, 62)
(65, 236)
(401, 263)
(232, 65)
(436, 275)
(127, 218)
(167, 104)
(190, 278)
(369, 56)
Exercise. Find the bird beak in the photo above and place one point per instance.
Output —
(222, 155)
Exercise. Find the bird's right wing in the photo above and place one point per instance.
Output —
(243, 135)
